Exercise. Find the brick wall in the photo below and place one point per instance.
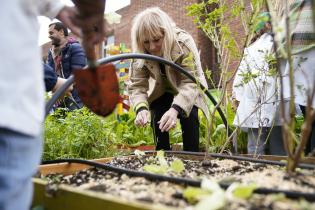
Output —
(239, 34)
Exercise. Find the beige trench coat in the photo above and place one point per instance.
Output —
(146, 84)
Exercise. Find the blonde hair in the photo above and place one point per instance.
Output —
(149, 24)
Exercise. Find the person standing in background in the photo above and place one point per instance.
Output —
(65, 56)
(256, 88)
(302, 39)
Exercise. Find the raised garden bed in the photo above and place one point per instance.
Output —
(167, 190)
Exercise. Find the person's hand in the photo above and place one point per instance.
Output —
(68, 16)
(143, 118)
(59, 83)
(168, 120)
(90, 23)
(91, 20)
(94, 27)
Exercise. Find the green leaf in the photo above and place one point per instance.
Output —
(155, 169)
(194, 194)
(177, 165)
(242, 191)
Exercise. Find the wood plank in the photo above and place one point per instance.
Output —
(67, 168)
(70, 198)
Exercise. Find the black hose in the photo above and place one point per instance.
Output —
(235, 157)
(177, 180)
(255, 160)
(110, 59)
(129, 172)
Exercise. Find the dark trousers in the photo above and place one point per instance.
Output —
(310, 146)
(190, 125)
(265, 140)
(275, 146)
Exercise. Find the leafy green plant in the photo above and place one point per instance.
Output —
(162, 166)
(77, 134)
(81, 133)
(126, 133)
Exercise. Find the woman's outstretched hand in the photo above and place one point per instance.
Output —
(168, 120)
(143, 118)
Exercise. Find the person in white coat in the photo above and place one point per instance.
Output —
(302, 40)
(22, 94)
(256, 88)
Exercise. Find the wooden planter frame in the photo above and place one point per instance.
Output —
(66, 197)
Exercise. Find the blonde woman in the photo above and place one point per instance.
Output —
(159, 89)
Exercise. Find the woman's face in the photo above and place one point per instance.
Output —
(154, 45)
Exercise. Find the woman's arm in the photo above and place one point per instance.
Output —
(138, 87)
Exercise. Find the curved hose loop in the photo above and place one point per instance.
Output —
(106, 60)
(171, 64)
